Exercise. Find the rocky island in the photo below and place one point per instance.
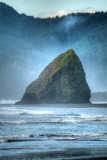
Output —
(62, 81)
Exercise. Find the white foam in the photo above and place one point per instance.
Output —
(60, 136)
(3, 101)
(99, 102)
(50, 120)
(38, 112)
(18, 111)
(92, 117)
(12, 122)
(54, 120)
(2, 140)
(14, 136)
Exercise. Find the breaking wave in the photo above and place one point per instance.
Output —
(13, 122)
(3, 101)
(74, 136)
(50, 117)
(99, 102)
(18, 111)
(54, 121)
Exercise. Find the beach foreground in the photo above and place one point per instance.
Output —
(68, 154)
(53, 132)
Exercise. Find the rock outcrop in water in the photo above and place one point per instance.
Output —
(62, 81)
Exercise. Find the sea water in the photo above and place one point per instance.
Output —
(50, 128)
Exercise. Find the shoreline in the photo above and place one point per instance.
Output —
(30, 158)
(99, 153)
(80, 105)
(67, 105)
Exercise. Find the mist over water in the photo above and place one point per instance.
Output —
(3, 101)
(29, 45)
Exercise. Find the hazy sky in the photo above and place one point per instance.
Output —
(40, 7)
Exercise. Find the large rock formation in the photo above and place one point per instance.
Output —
(62, 81)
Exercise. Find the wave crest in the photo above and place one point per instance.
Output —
(3, 101)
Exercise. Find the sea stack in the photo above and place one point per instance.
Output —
(62, 81)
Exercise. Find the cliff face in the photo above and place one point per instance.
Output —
(62, 81)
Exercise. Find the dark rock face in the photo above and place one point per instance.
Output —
(62, 81)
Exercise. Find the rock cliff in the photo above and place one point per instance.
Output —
(62, 81)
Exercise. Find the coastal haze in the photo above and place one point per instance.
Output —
(29, 44)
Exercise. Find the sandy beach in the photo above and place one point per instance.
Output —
(68, 154)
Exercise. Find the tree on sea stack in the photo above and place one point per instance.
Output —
(62, 81)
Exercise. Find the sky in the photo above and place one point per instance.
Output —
(46, 8)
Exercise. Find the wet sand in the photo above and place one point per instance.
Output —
(69, 154)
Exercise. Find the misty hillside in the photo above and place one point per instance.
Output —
(28, 44)
(99, 97)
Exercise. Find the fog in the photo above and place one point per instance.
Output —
(29, 45)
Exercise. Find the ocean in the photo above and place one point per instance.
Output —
(56, 131)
